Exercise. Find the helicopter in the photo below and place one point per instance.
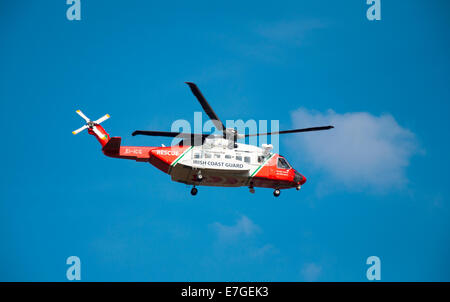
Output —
(201, 159)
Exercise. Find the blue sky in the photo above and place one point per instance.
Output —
(377, 185)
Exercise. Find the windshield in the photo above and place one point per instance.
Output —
(283, 164)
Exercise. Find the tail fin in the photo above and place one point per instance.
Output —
(94, 128)
(100, 133)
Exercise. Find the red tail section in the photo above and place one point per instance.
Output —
(100, 133)
(111, 146)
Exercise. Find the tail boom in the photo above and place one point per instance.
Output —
(113, 149)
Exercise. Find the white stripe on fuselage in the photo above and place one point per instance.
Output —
(216, 158)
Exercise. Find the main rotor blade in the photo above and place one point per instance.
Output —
(169, 134)
(293, 131)
(206, 107)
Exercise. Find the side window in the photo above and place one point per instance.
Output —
(208, 155)
(238, 157)
(216, 155)
(247, 159)
(282, 163)
(227, 156)
(196, 155)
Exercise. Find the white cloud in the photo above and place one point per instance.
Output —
(263, 251)
(273, 41)
(243, 227)
(239, 245)
(293, 31)
(362, 151)
(310, 272)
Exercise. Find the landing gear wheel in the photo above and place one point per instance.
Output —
(276, 193)
(194, 191)
(199, 177)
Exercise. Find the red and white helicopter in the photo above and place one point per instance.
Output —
(208, 159)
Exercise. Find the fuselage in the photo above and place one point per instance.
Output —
(214, 163)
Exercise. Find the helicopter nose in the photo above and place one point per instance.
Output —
(299, 179)
(303, 180)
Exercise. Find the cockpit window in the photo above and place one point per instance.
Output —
(282, 163)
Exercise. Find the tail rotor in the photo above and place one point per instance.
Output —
(92, 125)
